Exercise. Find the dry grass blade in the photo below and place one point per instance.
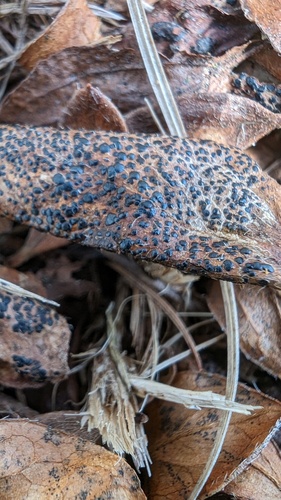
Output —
(174, 122)
(191, 399)
(231, 381)
(127, 270)
(182, 355)
(51, 8)
(155, 69)
(9, 287)
(112, 406)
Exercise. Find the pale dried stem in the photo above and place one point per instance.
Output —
(112, 406)
(9, 287)
(154, 69)
(194, 400)
(232, 327)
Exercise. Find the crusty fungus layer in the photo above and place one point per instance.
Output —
(193, 205)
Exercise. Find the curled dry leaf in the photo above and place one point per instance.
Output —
(209, 210)
(90, 109)
(33, 342)
(59, 276)
(259, 312)
(74, 26)
(37, 462)
(12, 408)
(181, 440)
(267, 16)
(263, 475)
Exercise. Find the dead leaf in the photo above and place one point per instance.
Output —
(12, 408)
(35, 243)
(34, 342)
(268, 95)
(226, 225)
(90, 109)
(267, 16)
(74, 26)
(60, 281)
(27, 280)
(40, 463)
(197, 27)
(259, 311)
(118, 72)
(221, 117)
(263, 475)
(270, 60)
(181, 440)
(68, 422)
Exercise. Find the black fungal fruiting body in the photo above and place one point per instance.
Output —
(266, 94)
(189, 204)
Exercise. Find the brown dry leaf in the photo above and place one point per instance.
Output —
(27, 280)
(263, 475)
(226, 225)
(267, 16)
(35, 243)
(227, 119)
(118, 72)
(224, 118)
(197, 27)
(90, 109)
(68, 422)
(74, 26)
(270, 60)
(40, 463)
(60, 75)
(33, 342)
(259, 311)
(60, 282)
(12, 408)
(181, 440)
